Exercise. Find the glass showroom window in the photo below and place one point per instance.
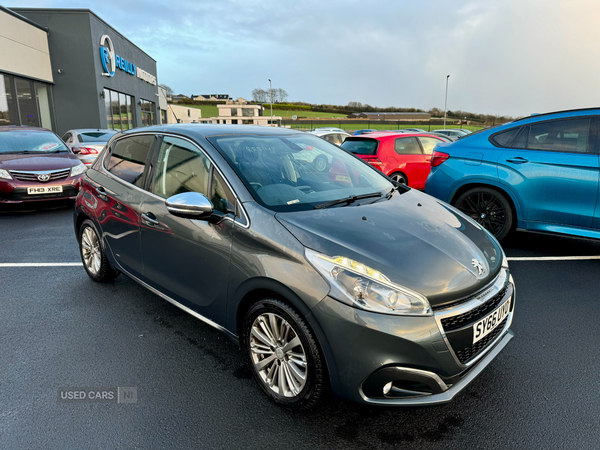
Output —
(119, 110)
(248, 112)
(147, 112)
(24, 102)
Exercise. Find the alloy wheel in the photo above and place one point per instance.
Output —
(278, 355)
(399, 178)
(90, 246)
(486, 209)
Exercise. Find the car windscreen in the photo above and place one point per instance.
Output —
(30, 142)
(298, 171)
(360, 146)
(96, 136)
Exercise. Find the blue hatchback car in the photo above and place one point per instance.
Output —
(539, 173)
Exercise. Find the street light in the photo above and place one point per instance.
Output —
(271, 92)
(446, 102)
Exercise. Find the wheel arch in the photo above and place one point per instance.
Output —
(398, 171)
(258, 288)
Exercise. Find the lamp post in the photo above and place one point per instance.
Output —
(446, 102)
(271, 93)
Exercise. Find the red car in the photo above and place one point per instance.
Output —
(36, 165)
(404, 157)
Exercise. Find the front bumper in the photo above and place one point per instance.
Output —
(15, 191)
(390, 360)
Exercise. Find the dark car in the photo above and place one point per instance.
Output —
(338, 278)
(36, 165)
(540, 173)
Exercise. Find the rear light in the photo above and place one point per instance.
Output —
(85, 151)
(373, 160)
(438, 158)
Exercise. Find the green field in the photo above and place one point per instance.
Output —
(351, 127)
(307, 114)
(207, 110)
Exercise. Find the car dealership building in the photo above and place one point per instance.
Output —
(67, 68)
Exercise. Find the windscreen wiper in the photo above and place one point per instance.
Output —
(347, 200)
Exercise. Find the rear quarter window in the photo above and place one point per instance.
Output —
(361, 146)
(505, 138)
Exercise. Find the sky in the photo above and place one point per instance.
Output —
(504, 57)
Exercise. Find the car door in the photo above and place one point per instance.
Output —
(186, 259)
(411, 161)
(553, 169)
(119, 191)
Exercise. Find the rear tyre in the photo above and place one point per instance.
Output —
(399, 177)
(93, 255)
(283, 355)
(489, 208)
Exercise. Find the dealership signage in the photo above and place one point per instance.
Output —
(111, 61)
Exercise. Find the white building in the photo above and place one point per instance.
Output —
(242, 114)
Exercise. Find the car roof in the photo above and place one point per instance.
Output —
(566, 112)
(388, 134)
(22, 128)
(325, 132)
(201, 130)
(85, 130)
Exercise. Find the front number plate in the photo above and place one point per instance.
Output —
(44, 190)
(486, 325)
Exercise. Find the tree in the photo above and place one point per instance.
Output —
(260, 95)
(167, 89)
(279, 95)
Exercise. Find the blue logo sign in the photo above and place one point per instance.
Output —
(111, 61)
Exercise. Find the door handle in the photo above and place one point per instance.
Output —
(517, 160)
(150, 219)
(100, 190)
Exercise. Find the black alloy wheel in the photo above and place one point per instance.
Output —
(489, 208)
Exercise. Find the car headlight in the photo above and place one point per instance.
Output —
(77, 170)
(4, 174)
(504, 261)
(359, 285)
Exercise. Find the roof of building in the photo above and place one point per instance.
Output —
(24, 19)
(77, 11)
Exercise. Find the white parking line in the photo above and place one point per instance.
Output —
(66, 264)
(552, 258)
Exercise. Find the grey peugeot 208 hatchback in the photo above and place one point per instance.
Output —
(334, 278)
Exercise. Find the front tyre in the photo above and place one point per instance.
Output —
(283, 354)
(93, 255)
(489, 208)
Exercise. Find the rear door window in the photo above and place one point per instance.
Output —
(407, 146)
(128, 158)
(566, 135)
(181, 167)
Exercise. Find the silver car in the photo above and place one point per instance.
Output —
(86, 143)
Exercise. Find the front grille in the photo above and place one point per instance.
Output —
(33, 176)
(457, 322)
(472, 351)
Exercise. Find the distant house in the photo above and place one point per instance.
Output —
(211, 97)
(399, 115)
(179, 97)
(242, 114)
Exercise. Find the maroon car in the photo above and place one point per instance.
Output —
(36, 165)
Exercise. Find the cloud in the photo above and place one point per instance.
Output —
(507, 57)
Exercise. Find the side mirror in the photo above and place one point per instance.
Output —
(190, 205)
